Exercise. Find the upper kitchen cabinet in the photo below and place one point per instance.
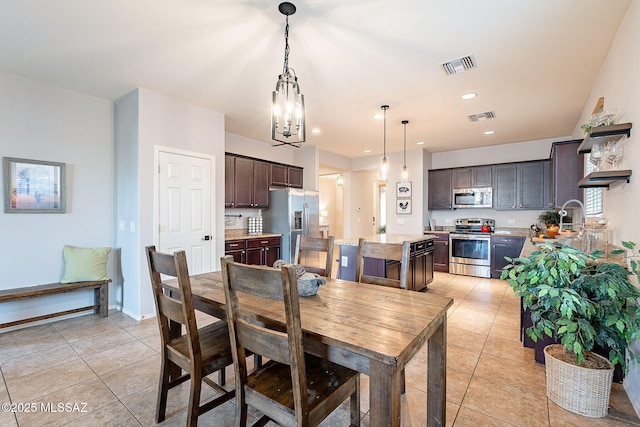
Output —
(567, 169)
(522, 185)
(251, 183)
(229, 181)
(473, 177)
(440, 194)
(506, 188)
(286, 176)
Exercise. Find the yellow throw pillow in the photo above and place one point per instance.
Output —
(85, 264)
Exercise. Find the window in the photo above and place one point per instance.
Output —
(592, 196)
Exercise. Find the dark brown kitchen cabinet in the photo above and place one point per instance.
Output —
(251, 183)
(441, 252)
(440, 194)
(567, 169)
(473, 177)
(237, 249)
(295, 177)
(501, 247)
(286, 176)
(229, 181)
(257, 251)
(523, 185)
(420, 272)
(263, 251)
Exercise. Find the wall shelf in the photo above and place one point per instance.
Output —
(604, 134)
(604, 178)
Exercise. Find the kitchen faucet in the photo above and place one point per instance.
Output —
(563, 212)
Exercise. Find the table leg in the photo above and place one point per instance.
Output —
(437, 376)
(384, 395)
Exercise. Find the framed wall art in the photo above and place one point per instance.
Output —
(403, 206)
(403, 190)
(33, 186)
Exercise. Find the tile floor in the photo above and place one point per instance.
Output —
(112, 366)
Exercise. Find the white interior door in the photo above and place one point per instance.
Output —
(184, 209)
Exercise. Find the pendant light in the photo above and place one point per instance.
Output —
(287, 112)
(405, 173)
(384, 167)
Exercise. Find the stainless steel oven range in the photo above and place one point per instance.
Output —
(470, 247)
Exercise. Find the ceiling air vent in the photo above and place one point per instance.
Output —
(482, 116)
(459, 65)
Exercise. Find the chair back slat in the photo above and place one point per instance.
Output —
(383, 251)
(172, 309)
(307, 253)
(255, 280)
(266, 342)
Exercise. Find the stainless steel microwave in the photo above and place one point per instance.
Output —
(473, 197)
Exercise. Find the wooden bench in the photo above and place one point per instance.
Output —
(100, 307)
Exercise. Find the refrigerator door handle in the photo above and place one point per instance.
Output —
(305, 228)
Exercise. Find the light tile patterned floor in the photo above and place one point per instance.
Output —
(112, 365)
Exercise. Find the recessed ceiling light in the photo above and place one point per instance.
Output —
(469, 95)
(420, 142)
(379, 116)
(367, 151)
(315, 130)
(489, 132)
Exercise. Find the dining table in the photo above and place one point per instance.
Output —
(372, 329)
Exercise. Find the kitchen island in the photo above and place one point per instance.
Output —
(420, 259)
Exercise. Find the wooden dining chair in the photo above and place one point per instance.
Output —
(293, 388)
(199, 352)
(383, 251)
(307, 246)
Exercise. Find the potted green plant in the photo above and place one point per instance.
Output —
(580, 303)
(551, 218)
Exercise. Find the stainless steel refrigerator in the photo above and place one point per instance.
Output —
(292, 212)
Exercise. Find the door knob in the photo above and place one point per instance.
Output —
(207, 237)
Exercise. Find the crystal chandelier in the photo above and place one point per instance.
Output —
(287, 111)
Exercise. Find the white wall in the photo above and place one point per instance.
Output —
(619, 84)
(406, 223)
(243, 146)
(159, 121)
(43, 122)
(504, 153)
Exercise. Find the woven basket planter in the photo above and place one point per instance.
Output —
(583, 391)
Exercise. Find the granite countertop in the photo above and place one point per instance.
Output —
(243, 234)
(529, 247)
(387, 238)
(427, 232)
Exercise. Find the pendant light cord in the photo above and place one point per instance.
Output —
(285, 68)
